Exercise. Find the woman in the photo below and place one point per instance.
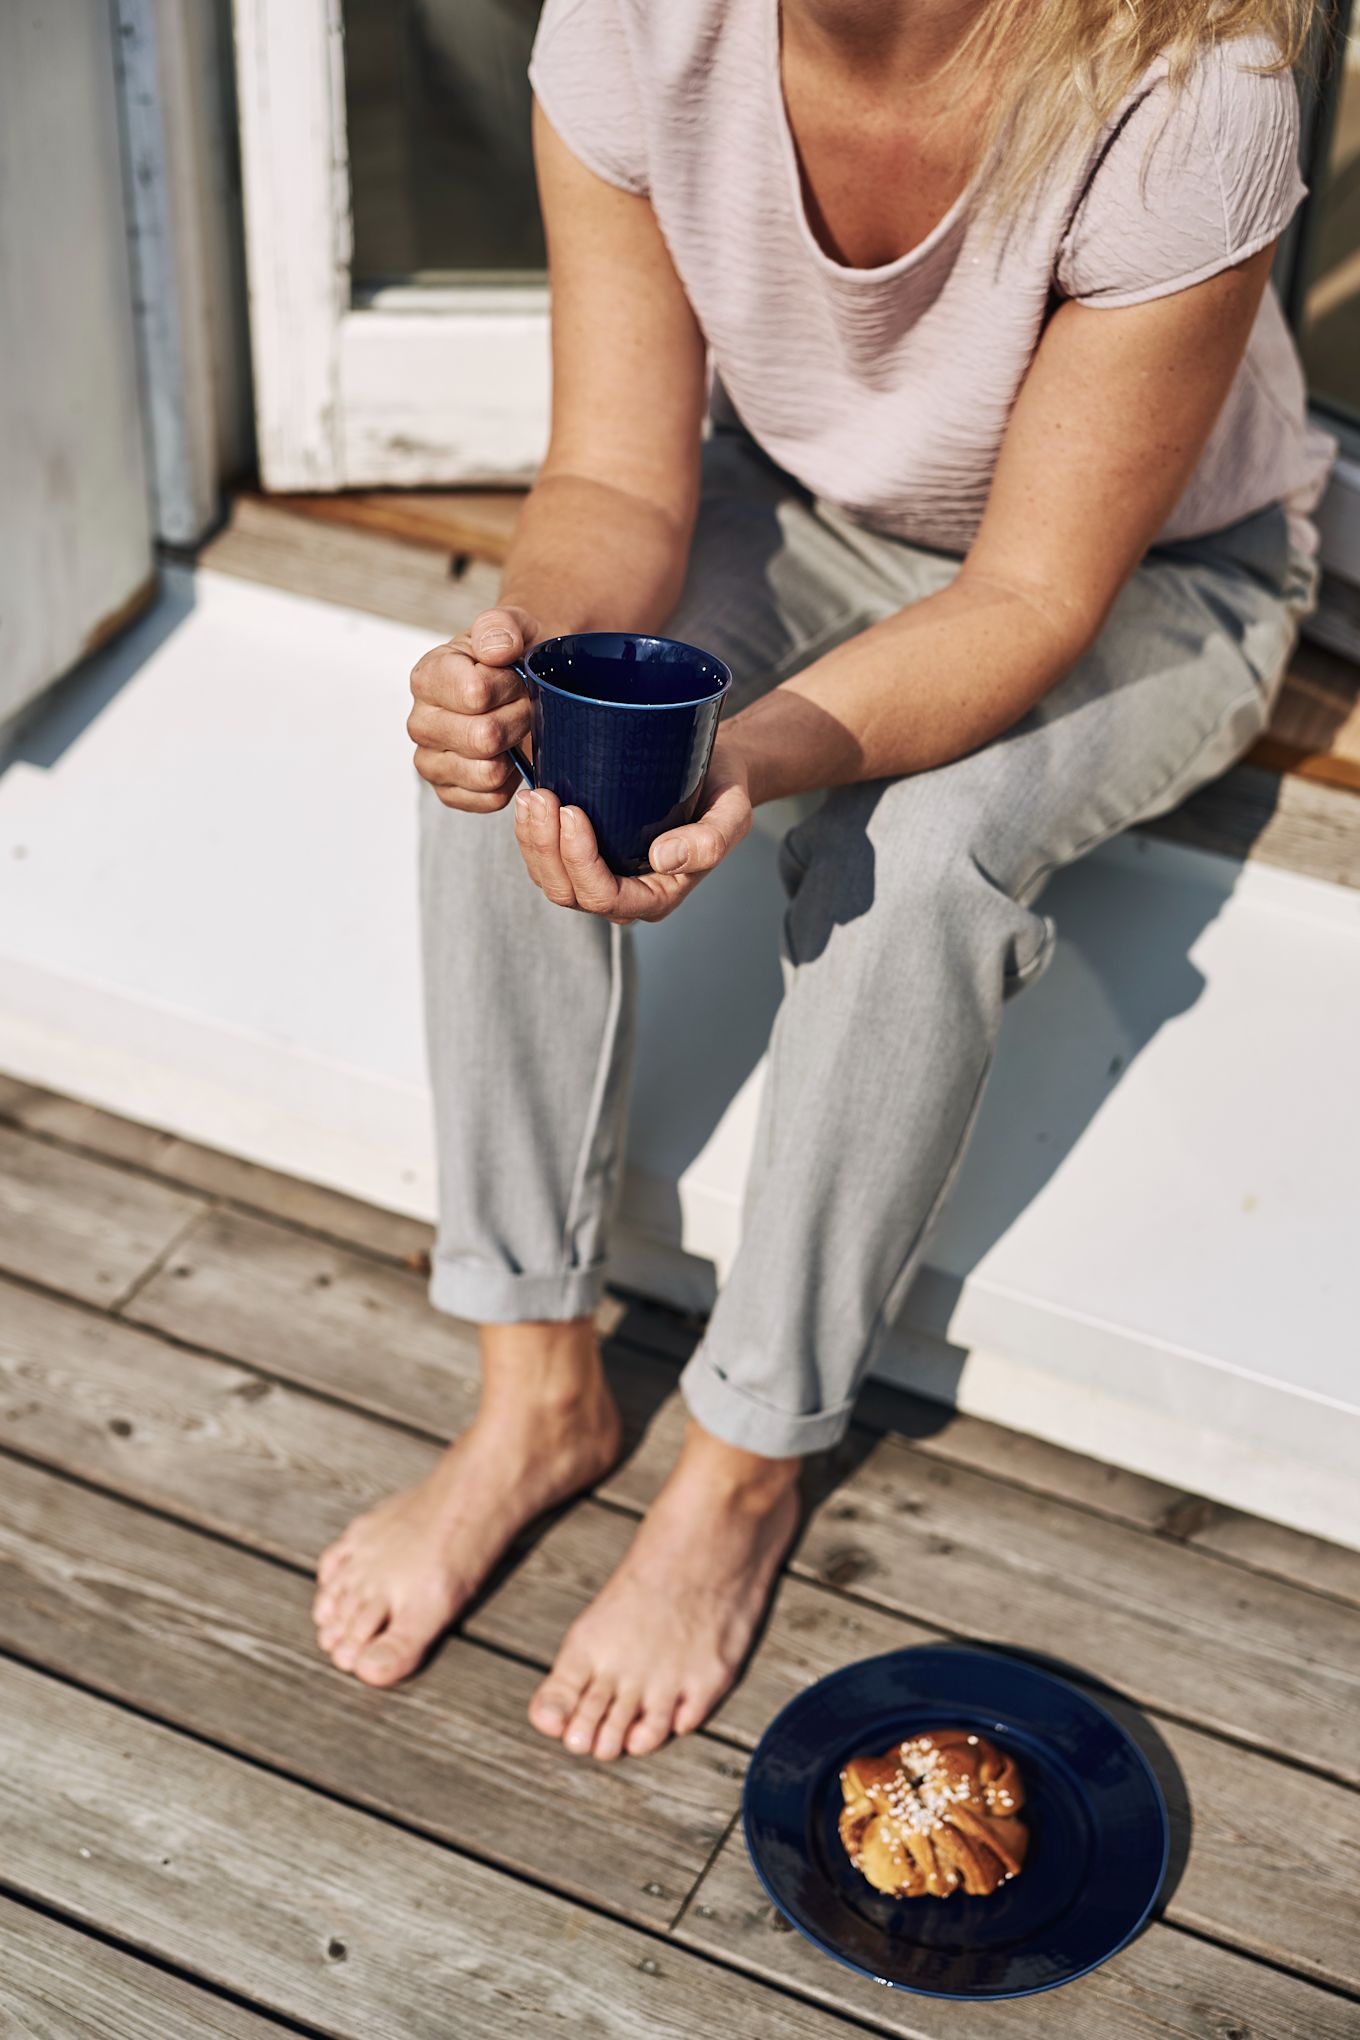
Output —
(1002, 527)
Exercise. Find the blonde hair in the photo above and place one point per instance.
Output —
(1062, 67)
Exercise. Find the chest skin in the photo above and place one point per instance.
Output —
(880, 165)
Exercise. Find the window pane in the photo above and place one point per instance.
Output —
(441, 175)
(1329, 328)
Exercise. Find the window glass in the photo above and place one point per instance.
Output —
(441, 175)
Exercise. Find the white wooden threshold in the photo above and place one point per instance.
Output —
(1150, 1255)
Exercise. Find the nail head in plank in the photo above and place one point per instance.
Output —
(364, 570)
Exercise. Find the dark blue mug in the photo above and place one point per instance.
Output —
(623, 727)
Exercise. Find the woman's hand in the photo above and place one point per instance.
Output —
(469, 707)
(558, 846)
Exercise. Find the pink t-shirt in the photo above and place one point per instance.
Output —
(887, 390)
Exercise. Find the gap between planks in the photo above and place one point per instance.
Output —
(528, 1611)
(186, 1673)
(416, 1935)
(1029, 1463)
(102, 1990)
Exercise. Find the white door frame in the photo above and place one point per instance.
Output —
(183, 227)
(409, 387)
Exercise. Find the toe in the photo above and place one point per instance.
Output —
(653, 1725)
(699, 1699)
(331, 1561)
(333, 1620)
(555, 1701)
(325, 1605)
(393, 1654)
(366, 1618)
(623, 1712)
(590, 1711)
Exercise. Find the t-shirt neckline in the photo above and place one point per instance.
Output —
(845, 272)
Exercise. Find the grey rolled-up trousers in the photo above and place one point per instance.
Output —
(911, 915)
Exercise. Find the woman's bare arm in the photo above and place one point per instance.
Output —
(606, 529)
(604, 535)
(1112, 416)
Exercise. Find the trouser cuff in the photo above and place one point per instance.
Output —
(496, 1296)
(740, 1419)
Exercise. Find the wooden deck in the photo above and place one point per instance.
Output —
(205, 1369)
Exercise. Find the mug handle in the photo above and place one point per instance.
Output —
(513, 752)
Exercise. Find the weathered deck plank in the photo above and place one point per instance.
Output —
(957, 1439)
(216, 1174)
(153, 1613)
(280, 1480)
(1175, 1629)
(209, 1441)
(59, 1984)
(1164, 1986)
(278, 1473)
(157, 1615)
(359, 569)
(355, 1328)
(78, 1225)
(949, 1435)
(325, 1914)
(1274, 1854)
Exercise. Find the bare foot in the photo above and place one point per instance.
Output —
(399, 1575)
(656, 1650)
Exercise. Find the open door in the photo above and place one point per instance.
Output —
(1323, 297)
(75, 527)
(398, 303)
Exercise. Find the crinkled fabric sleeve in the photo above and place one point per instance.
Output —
(1188, 183)
(582, 74)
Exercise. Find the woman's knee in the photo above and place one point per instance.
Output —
(914, 865)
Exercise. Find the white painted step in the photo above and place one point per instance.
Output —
(207, 921)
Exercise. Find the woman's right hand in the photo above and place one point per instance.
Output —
(469, 707)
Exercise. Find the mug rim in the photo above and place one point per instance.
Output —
(642, 637)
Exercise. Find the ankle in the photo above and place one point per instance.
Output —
(743, 1480)
(554, 1369)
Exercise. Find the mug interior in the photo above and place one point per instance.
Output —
(628, 671)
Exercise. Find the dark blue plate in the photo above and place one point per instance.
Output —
(1098, 1831)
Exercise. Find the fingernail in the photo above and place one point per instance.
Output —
(671, 856)
(522, 807)
(570, 820)
(538, 807)
(494, 640)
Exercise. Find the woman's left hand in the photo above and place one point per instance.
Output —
(558, 846)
